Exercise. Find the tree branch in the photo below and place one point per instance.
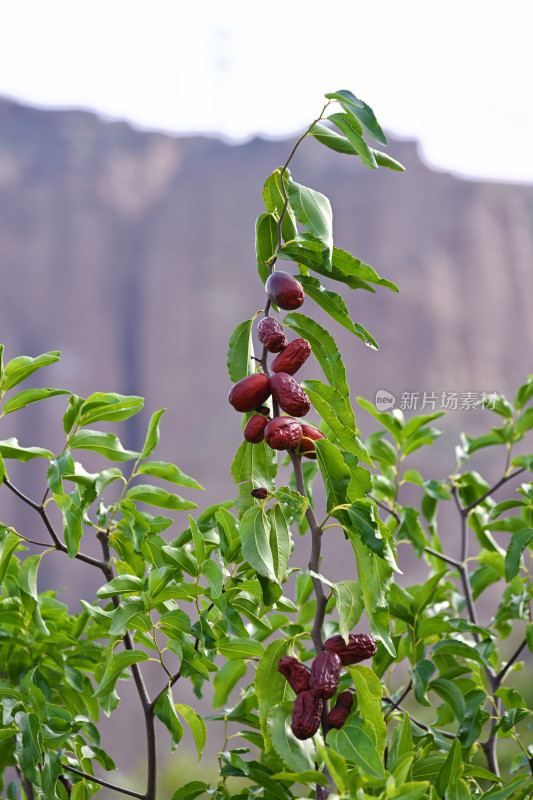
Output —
(100, 782)
(418, 722)
(399, 700)
(490, 491)
(502, 673)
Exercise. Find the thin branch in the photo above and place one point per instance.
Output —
(496, 486)
(100, 782)
(399, 700)
(387, 509)
(490, 746)
(58, 544)
(418, 722)
(502, 673)
(448, 559)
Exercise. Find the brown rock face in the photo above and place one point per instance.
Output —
(284, 290)
(297, 675)
(307, 444)
(291, 359)
(283, 433)
(270, 334)
(254, 430)
(325, 674)
(250, 393)
(289, 394)
(360, 647)
(306, 714)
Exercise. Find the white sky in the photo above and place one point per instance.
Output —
(455, 74)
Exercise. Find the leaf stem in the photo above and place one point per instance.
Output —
(100, 782)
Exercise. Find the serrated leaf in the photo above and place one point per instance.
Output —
(10, 448)
(356, 741)
(270, 686)
(324, 349)
(266, 242)
(232, 647)
(384, 160)
(369, 693)
(296, 754)
(350, 604)
(20, 368)
(152, 436)
(333, 304)
(155, 496)
(351, 128)
(168, 472)
(353, 266)
(256, 463)
(275, 201)
(240, 352)
(281, 543)
(107, 444)
(117, 664)
(24, 398)
(8, 544)
(196, 726)
(519, 541)
(335, 473)
(225, 679)
(255, 542)
(361, 111)
(450, 769)
(129, 608)
(313, 210)
(344, 430)
(165, 710)
(332, 139)
(109, 407)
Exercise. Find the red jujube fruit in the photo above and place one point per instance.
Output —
(283, 433)
(284, 290)
(250, 393)
(254, 430)
(325, 674)
(360, 646)
(270, 334)
(306, 714)
(307, 443)
(292, 357)
(289, 395)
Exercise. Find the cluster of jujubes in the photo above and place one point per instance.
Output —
(321, 682)
(249, 394)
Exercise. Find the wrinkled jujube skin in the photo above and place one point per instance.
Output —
(270, 334)
(297, 675)
(307, 443)
(251, 392)
(283, 433)
(261, 493)
(325, 674)
(254, 430)
(339, 713)
(306, 714)
(289, 395)
(360, 646)
(284, 290)
(292, 357)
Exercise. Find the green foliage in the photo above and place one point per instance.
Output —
(219, 599)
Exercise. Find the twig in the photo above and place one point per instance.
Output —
(387, 509)
(418, 722)
(100, 782)
(502, 673)
(490, 491)
(400, 699)
(448, 559)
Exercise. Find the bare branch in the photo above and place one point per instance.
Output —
(100, 782)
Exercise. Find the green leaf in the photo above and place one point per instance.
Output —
(196, 725)
(421, 437)
(24, 398)
(369, 693)
(421, 674)
(411, 530)
(240, 352)
(450, 769)
(324, 349)
(29, 745)
(306, 777)
(360, 519)
(232, 647)
(120, 585)
(332, 139)
(266, 242)
(168, 472)
(280, 540)
(344, 431)
(115, 665)
(297, 755)
(10, 448)
(525, 421)
(18, 369)
(296, 502)
(225, 679)
(350, 604)
(362, 111)
(230, 540)
(155, 496)
(274, 202)
(212, 572)
(524, 394)
(451, 696)
(356, 741)
(334, 305)
(392, 421)
(256, 463)
(313, 210)
(152, 436)
(109, 407)
(350, 127)
(353, 266)
(8, 544)
(374, 575)
(335, 473)
(190, 790)
(270, 686)
(165, 710)
(384, 160)
(498, 793)
(129, 608)
(255, 542)
(519, 541)
(107, 444)
(72, 522)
